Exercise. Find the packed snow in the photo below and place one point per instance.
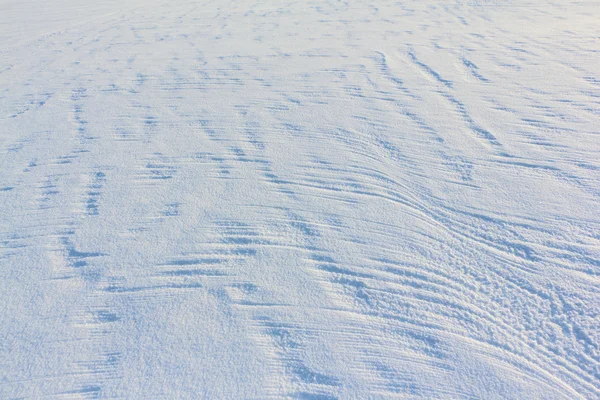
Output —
(307, 200)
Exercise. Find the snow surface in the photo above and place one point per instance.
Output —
(308, 200)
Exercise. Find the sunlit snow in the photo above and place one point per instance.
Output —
(305, 200)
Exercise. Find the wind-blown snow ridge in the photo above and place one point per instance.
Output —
(314, 200)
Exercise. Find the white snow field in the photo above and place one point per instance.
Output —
(306, 200)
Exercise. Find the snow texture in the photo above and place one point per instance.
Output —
(307, 200)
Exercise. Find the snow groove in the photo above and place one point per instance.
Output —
(321, 200)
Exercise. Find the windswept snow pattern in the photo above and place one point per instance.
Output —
(306, 200)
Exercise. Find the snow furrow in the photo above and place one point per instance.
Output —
(320, 200)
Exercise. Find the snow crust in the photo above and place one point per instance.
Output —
(306, 200)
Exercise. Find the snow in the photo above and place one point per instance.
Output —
(307, 200)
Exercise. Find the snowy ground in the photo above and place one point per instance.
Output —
(309, 200)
